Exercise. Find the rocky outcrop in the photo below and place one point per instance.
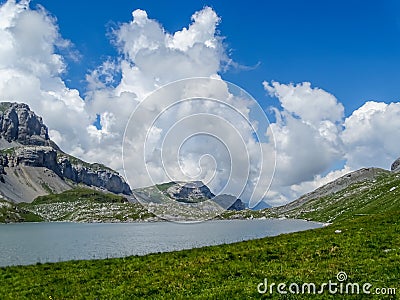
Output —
(197, 191)
(229, 202)
(92, 175)
(3, 162)
(19, 123)
(35, 156)
(65, 166)
(395, 166)
(25, 142)
(237, 205)
(194, 191)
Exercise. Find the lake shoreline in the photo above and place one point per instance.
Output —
(224, 271)
(64, 241)
(161, 221)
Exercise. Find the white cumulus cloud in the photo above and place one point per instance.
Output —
(372, 135)
(313, 136)
(31, 69)
(306, 131)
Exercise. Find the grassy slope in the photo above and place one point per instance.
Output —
(164, 186)
(83, 204)
(10, 212)
(79, 204)
(78, 193)
(362, 198)
(368, 250)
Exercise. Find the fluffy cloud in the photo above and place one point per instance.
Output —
(311, 105)
(215, 148)
(153, 57)
(312, 136)
(371, 135)
(31, 69)
(149, 58)
(306, 131)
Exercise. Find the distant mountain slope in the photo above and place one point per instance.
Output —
(189, 192)
(87, 205)
(363, 192)
(32, 165)
(186, 192)
(261, 205)
(185, 201)
(12, 213)
(362, 175)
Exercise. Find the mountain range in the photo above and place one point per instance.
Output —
(32, 166)
(40, 182)
(363, 192)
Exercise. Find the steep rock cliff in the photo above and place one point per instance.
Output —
(25, 143)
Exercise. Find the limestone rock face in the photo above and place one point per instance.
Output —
(77, 171)
(35, 156)
(395, 166)
(189, 191)
(19, 123)
(229, 202)
(92, 175)
(25, 142)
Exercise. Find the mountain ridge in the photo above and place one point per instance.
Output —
(335, 186)
(32, 165)
(363, 192)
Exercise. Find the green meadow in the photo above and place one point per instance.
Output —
(366, 248)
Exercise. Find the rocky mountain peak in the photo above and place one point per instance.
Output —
(395, 166)
(25, 144)
(197, 191)
(19, 123)
(191, 191)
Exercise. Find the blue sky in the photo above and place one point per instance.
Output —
(325, 72)
(349, 48)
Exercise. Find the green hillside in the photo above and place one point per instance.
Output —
(86, 205)
(379, 195)
(363, 242)
(367, 249)
(11, 213)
